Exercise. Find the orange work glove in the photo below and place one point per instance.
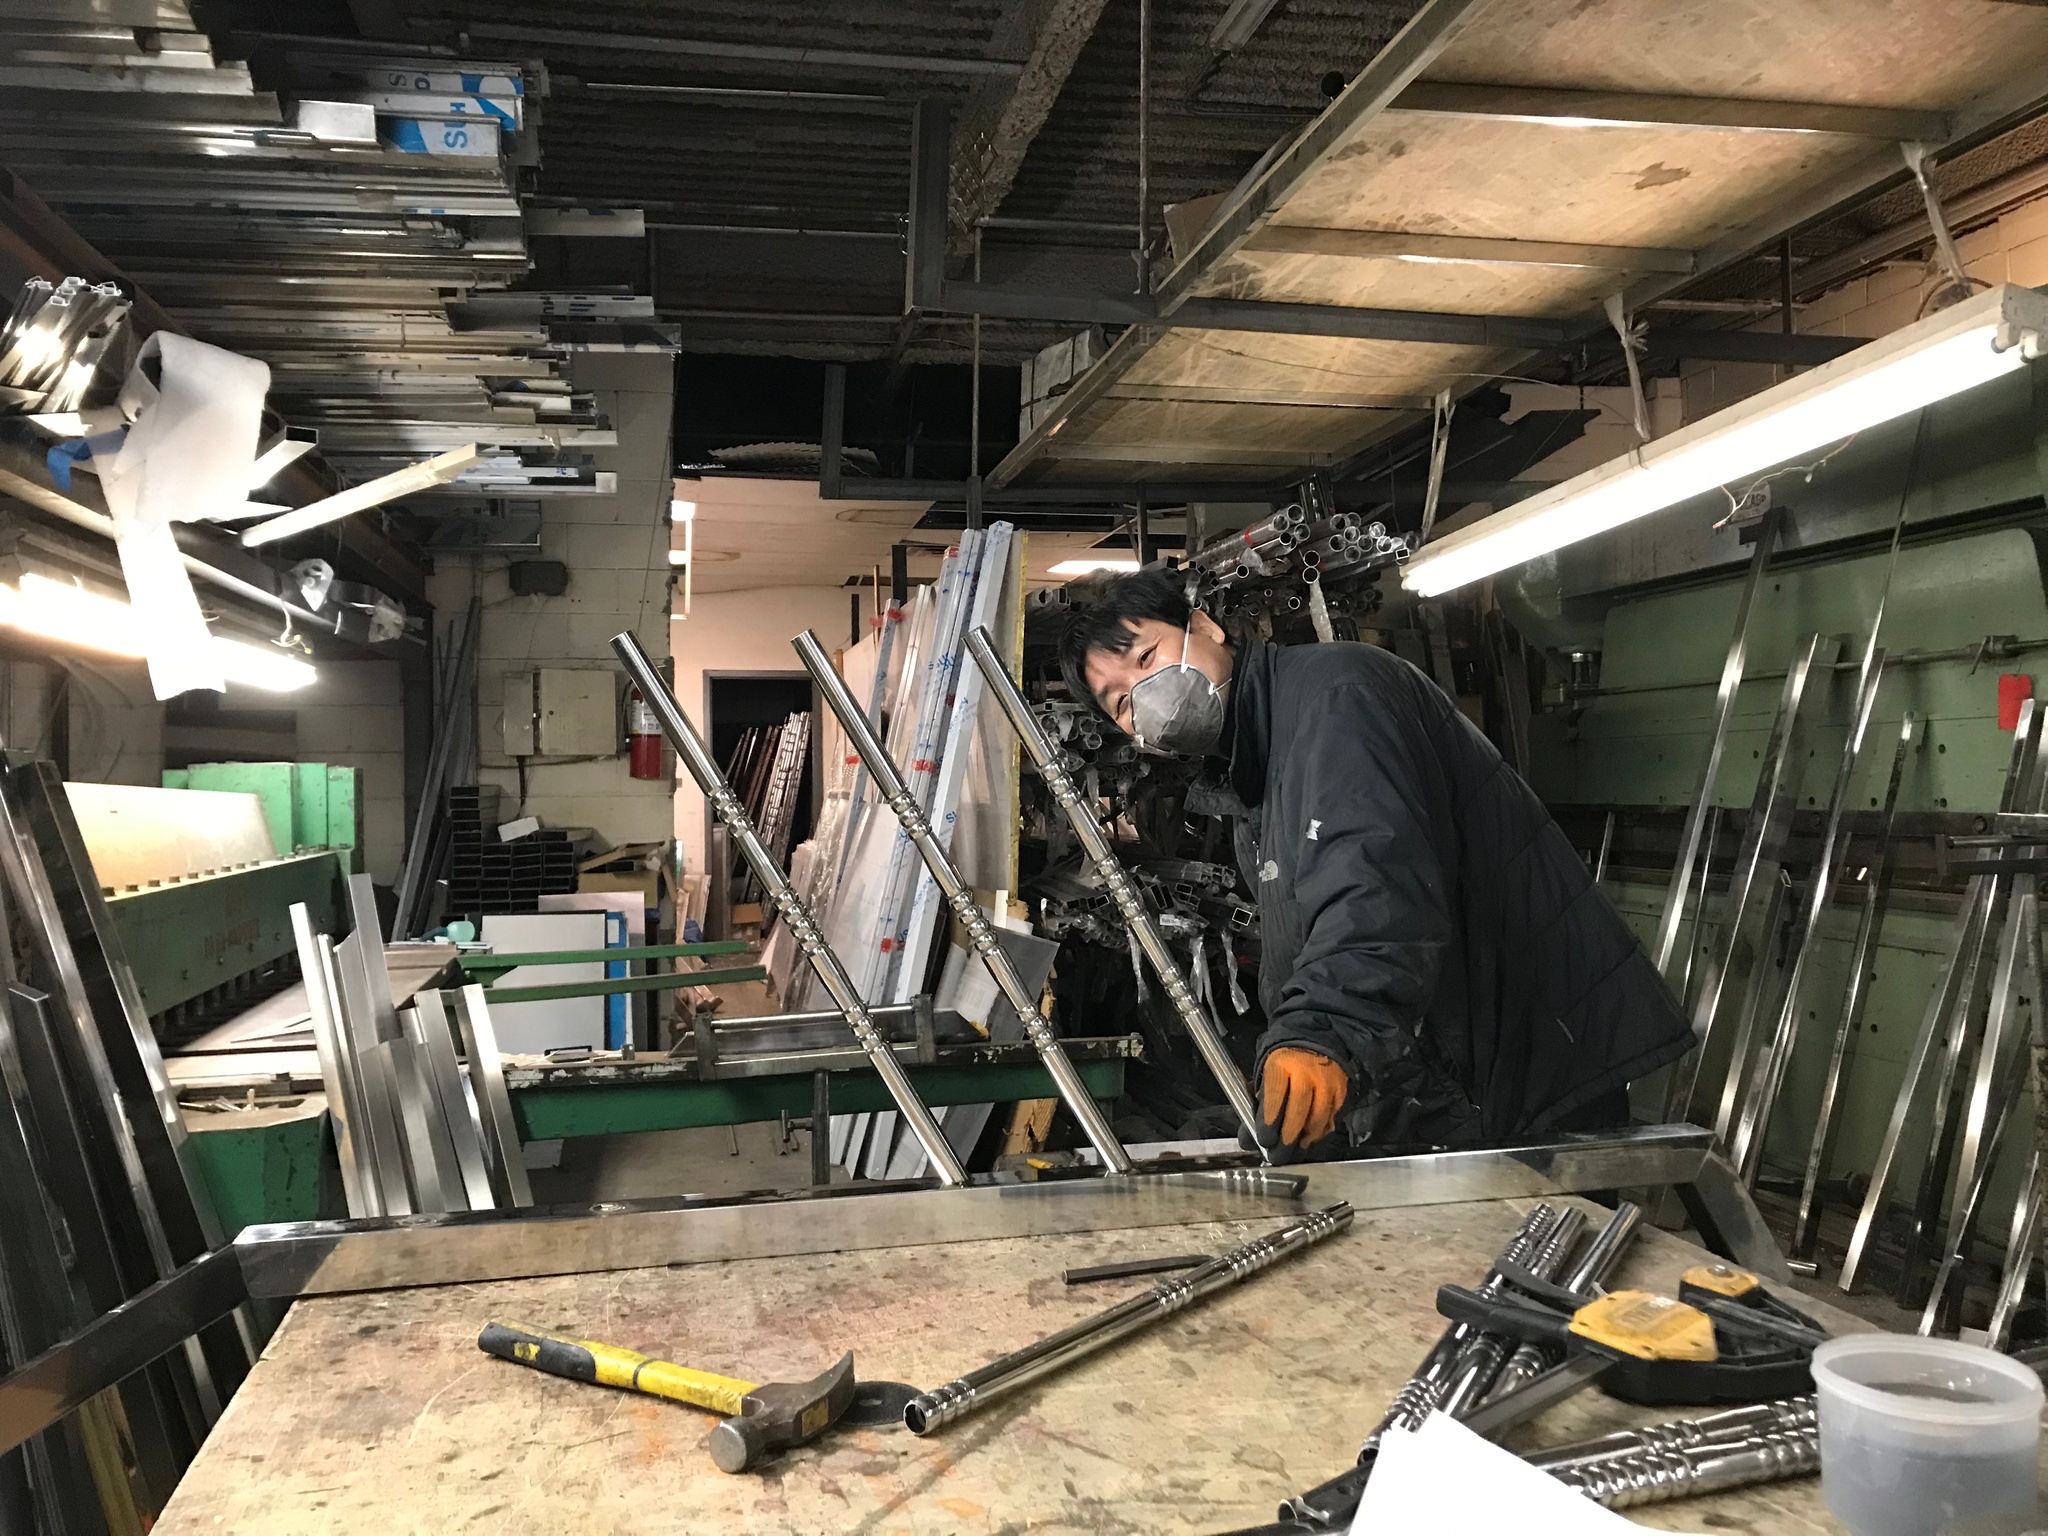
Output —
(1303, 1089)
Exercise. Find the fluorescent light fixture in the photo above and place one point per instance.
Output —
(1089, 565)
(1990, 334)
(93, 621)
(685, 512)
(423, 476)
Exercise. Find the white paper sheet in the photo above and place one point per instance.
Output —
(187, 458)
(1447, 1481)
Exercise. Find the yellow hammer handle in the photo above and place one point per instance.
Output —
(609, 1366)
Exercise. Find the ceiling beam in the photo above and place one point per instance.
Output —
(1400, 245)
(747, 53)
(1803, 351)
(1014, 303)
(998, 123)
(1190, 453)
(1198, 394)
(1615, 109)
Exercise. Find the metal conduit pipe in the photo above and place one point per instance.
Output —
(1208, 1041)
(980, 931)
(803, 927)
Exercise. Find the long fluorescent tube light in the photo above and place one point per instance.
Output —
(1088, 567)
(1990, 334)
(359, 498)
(92, 621)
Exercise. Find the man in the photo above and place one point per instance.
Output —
(1438, 969)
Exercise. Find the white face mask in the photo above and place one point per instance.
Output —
(1177, 710)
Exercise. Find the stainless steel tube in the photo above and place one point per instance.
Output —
(693, 752)
(1788, 1415)
(1657, 1477)
(1115, 878)
(980, 931)
(930, 1411)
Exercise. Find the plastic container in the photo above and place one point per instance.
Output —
(1919, 1434)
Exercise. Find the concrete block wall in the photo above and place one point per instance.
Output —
(2012, 248)
(616, 549)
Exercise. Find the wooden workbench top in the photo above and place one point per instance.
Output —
(377, 1414)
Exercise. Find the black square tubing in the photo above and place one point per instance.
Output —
(980, 931)
(695, 755)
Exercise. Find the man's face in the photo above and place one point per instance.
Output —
(1156, 645)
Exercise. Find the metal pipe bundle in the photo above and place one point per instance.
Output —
(1208, 1041)
(803, 927)
(980, 931)
(53, 341)
(930, 1411)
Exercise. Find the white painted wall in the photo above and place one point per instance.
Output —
(616, 548)
(741, 632)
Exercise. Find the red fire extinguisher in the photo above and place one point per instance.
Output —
(643, 737)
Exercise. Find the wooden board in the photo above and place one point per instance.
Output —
(377, 1413)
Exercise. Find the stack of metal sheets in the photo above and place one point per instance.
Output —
(416, 1133)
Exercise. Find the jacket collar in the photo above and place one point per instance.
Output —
(1251, 689)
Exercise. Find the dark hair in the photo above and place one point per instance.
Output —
(1106, 625)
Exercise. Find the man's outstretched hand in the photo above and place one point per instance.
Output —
(1302, 1091)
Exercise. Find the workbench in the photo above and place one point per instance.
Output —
(376, 1412)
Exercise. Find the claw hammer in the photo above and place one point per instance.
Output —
(760, 1416)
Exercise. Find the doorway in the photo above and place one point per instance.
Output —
(744, 711)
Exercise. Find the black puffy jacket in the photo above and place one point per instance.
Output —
(1425, 923)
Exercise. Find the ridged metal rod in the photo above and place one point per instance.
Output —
(1419, 1396)
(980, 931)
(1481, 1361)
(1592, 1270)
(930, 1411)
(803, 927)
(1117, 880)
(1331, 1504)
(1788, 1415)
(1659, 1476)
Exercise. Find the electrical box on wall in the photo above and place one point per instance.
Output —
(518, 714)
(576, 713)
